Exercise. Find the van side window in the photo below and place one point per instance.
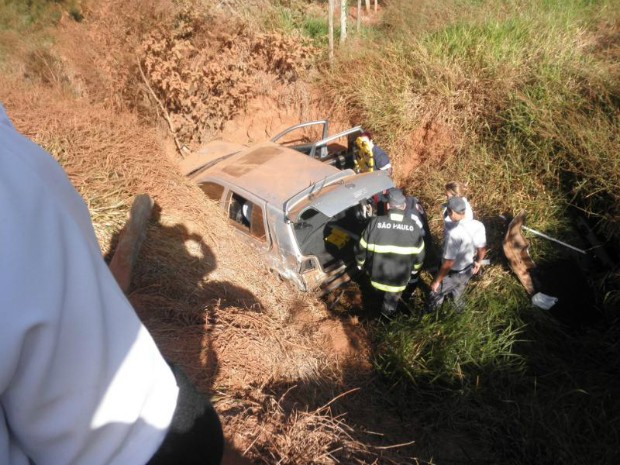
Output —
(212, 190)
(247, 216)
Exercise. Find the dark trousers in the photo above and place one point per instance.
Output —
(389, 302)
(412, 285)
(453, 285)
(195, 436)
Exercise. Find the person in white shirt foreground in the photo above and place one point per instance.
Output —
(464, 249)
(81, 379)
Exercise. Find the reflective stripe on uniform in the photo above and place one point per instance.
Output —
(387, 288)
(377, 248)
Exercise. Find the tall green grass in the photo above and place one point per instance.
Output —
(509, 376)
(457, 349)
(526, 95)
(537, 83)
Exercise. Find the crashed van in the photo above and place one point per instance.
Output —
(297, 201)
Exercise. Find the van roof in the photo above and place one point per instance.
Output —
(270, 171)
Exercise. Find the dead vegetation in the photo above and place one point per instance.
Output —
(187, 62)
(203, 78)
(282, 372)
(241, 333)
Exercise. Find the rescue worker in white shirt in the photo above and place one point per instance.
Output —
(391, 249)
(464, 249)
(81, 379)
(455, 189)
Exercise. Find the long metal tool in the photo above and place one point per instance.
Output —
(538, 233)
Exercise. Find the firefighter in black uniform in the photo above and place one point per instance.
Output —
(391, 250)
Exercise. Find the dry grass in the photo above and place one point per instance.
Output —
(273, 359)
(241, 333)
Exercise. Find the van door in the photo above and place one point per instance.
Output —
(302, 137)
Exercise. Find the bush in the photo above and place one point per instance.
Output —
(203, 80)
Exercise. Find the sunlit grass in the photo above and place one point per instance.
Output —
(526, 96)
(457, 349)
(525, 88)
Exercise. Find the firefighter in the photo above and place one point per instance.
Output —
(371, 156)
(391, 250)
(413, 209)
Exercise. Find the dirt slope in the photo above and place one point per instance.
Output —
(240, 332)
(291, 381)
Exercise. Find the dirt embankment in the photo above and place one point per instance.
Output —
(292, 383)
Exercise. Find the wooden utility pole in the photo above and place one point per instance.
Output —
(376, 6)
(330, 28)
(368, 6)
(343, 21)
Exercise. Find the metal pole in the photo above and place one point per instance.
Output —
(538, 233)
